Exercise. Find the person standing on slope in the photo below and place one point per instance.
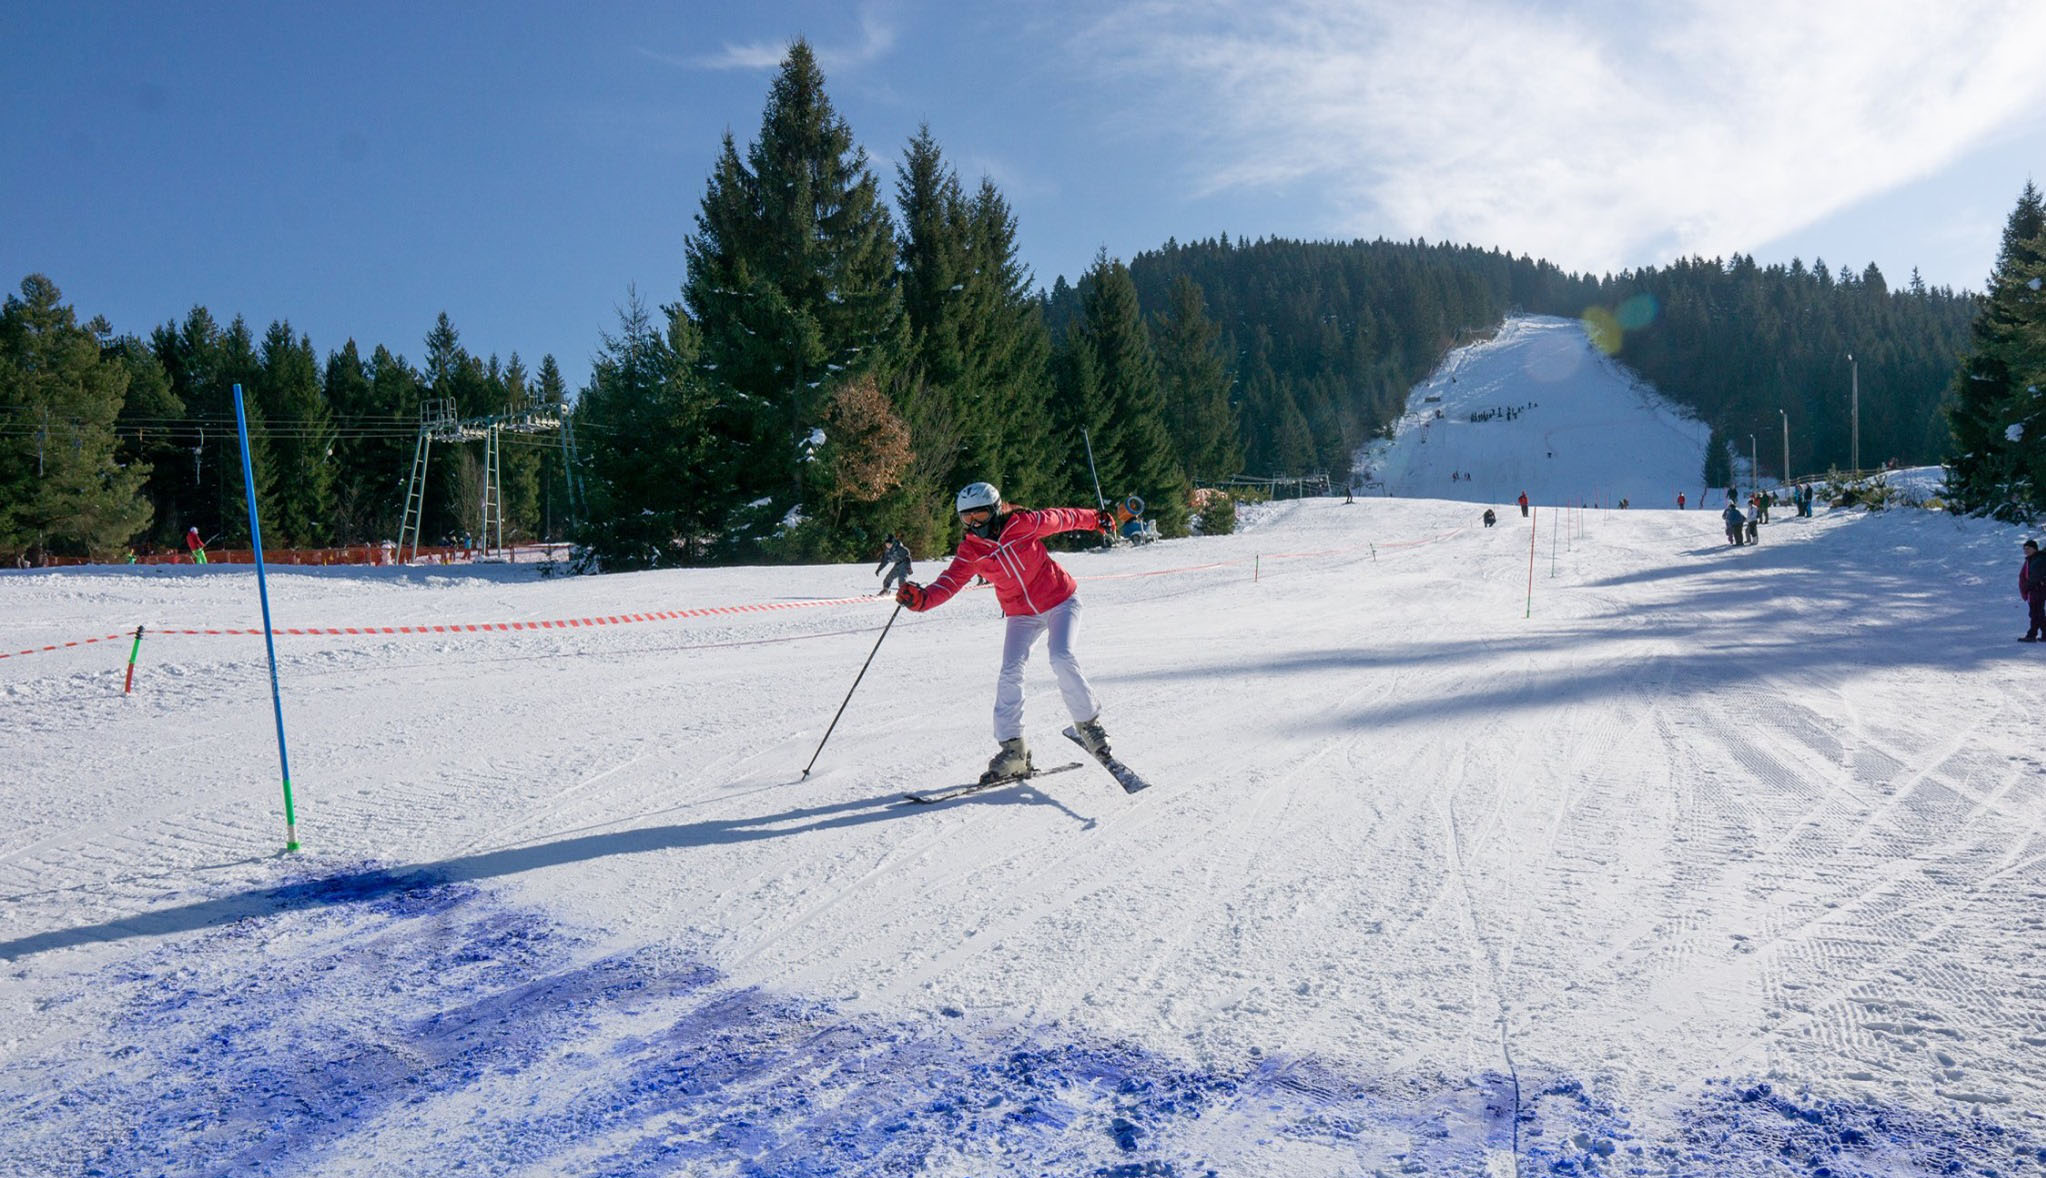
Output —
(1736, 523)
(2032, 587)
(894, 558)
(1005, 544)
(1523, 504)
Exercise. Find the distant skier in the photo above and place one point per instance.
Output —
(1490, 519)
(1523, 504)
(1005, 544)
(894, 558)
(195, 545)
(1735, 522)
(1755, 518)
(1680, 500)
(2032, 587)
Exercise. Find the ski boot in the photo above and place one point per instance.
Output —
(1012, 762)
(1093, 737)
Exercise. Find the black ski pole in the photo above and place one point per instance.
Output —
(1106, 541)
(855, 687)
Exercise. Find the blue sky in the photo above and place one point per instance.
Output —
(356, 169)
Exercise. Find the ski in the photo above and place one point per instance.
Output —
(960, 791)
(1124, 775)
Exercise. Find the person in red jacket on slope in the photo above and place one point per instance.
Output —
(1005, 544)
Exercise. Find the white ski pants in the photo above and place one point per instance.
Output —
(1061, 622)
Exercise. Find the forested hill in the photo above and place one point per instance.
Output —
(1326, 339)
(1741, 343)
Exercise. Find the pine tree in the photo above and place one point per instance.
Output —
(204, 363)
(1079, 412)
(933, 246)
(557, 495)
(520, 455)
(61, 489)
(650, 471)
(1195, 376)
(1136, 456)
(301, 440)
(148, 426)
(1718, 471)
(1007, 352)
(791, 284)
(1997, 410)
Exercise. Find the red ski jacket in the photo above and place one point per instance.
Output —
(1026, 579)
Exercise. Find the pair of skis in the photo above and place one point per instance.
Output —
(1123, 774)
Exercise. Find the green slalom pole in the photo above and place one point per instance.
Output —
(241, 423)
(132, 652)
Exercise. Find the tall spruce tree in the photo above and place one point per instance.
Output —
(649, 471)
(204, 362)
(1009, 354)
(977, 333)
(345, 382)
(149, 429)
(1137, 448)
(61, 489)
(557, 492)
(1196, 378)
(1079, 412)
(1997, 408)
(791, 286)
(933, 245)
(302, 440)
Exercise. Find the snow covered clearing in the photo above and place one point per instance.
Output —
(1708, 861)
(1537, 408)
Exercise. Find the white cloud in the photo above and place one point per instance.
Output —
(1596, 133)
(877, 39)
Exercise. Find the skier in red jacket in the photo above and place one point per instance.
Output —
(1005, 544)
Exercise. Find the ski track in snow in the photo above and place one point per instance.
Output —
(1722, 862)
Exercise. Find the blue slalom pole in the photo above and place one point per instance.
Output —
(241, 424)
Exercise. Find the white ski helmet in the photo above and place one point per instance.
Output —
(977, 495)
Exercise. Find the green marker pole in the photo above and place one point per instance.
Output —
(241, 423)
(132, 652)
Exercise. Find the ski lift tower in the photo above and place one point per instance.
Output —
(437, 423)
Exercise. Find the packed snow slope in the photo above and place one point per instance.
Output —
(1692, 860)
(1538, 408)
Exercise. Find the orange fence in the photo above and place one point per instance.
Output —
(373, 554)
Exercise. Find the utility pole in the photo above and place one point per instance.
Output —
(1754, 469)
(1854, 414)
(1785, 480)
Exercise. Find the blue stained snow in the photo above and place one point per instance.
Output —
(381, 1022)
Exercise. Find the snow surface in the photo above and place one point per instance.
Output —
(1585, 432)
(1581, 845)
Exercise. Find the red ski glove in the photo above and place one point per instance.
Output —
(912, 595)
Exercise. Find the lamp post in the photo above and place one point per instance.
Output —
(1754, 467)
(1785, 480)
(1854, 414)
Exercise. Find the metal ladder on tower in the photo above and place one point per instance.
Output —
(415, 498)
(436, 419)
(493, 493)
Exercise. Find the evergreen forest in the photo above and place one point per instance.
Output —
(847, 349)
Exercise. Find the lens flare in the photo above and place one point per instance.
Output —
(1637, 312)
(1603, 328)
